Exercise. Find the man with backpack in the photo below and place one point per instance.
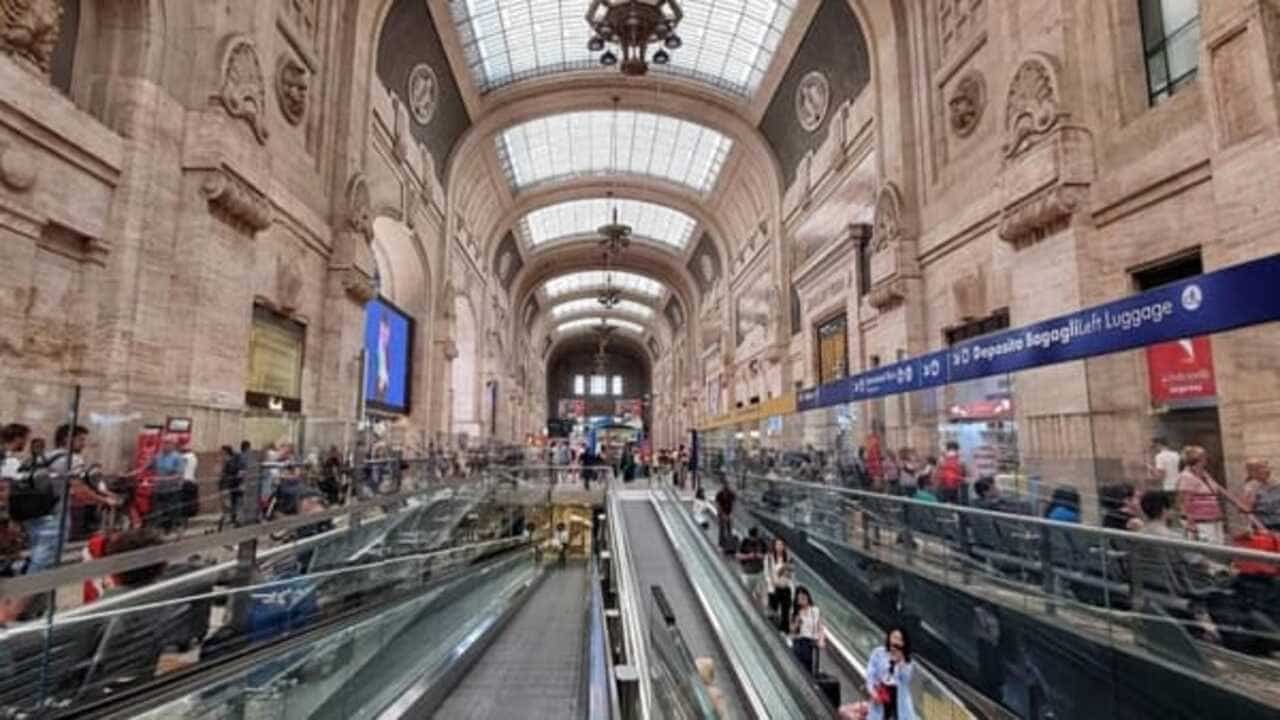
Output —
(45, 483)
(950, 475)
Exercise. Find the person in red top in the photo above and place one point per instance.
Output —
(874, 462)
(950, 475)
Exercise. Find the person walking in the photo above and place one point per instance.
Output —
(889, 678)
(951, 474)
(778, 583)
(751, 561)
(808, 636)
(561, 541)
(725, 499)
(1199, 496)
(230, 487)
(1165, 467)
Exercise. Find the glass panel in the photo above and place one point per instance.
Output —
(617, 385)
(727, 43)
(1183, 50)
(579, 385)
(598, 385)
(597, 321)
(600, 142)
(581, 218)
(594, 279)
(587, 305)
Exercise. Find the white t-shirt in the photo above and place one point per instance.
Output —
(9, 469)
(189, 466)
(1167, 463)
(810, 622)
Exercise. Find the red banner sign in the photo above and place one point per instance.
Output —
(1181, 370)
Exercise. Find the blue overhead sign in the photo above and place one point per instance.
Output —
(1238, 296)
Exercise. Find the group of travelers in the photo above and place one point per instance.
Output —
(769, 573)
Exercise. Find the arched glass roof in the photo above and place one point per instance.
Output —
(595, 321)
(605, 142)
(575, 218)
(591, 279)
(728, 44)
(582, 305)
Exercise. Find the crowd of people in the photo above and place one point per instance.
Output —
(1197, 504)
(769, 573)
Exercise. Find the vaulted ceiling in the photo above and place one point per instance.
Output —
(558, 144)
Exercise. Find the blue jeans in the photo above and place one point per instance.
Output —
(42, 533)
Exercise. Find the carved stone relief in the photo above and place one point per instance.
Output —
(304, 16)
(958, 20)
(359, 207)
(237, 201)
(888, 218)
(423, 93)
(18, 168)
(967, 103)
(1042, 214)
(243, 92)
(813, 97)
(1031, 109)
(29, 31)
(293, 82)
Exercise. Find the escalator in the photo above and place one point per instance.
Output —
(537, 663)
(656, 563)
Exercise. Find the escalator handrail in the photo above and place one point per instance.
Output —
(600, 690)
(169, 687)
(629, 597)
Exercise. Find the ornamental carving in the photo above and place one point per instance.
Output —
(888, 222)
(359, 207)
(358, 286)
(887, 294)
(1042, 214)
(1032, 107)
(243, 92)
(813, 98)
(293, 83)
(423, 93)
(288, 285)
(29, 31)
(18, 168)
(966, 104)
(235, 200)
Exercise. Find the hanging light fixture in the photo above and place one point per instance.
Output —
(634, 25)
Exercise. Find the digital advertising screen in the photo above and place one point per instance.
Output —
(388, 344)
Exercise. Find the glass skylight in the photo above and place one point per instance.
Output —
(576, 144)
(577, 218)
(727, 43)
(586, 305)
(594, 279)
(595, 322)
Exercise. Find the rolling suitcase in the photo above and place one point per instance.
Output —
(827, 683)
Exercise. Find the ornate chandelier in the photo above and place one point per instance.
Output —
(614, 236)
(633, 25)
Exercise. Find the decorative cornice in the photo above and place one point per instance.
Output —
(1042, 214)
(357, 285)
(887, 294)
(236, 200)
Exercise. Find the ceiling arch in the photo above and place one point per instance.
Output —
(623, 188)
(580, 218)
(753, 160)
(563, 310)
(584, 343)
(729, 43)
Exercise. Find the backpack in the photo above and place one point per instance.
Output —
(950, 473)
(32, 496)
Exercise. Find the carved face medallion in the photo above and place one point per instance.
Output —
(966, 104)
(423, 93)
(292, 83)
(813, 96)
